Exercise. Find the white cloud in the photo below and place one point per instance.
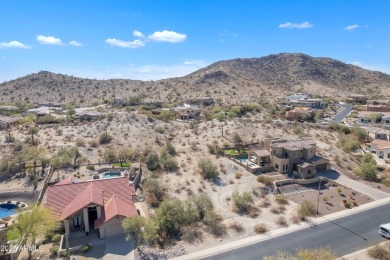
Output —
(13, 44)
(134, 44)
(303, 25)
(168, 36)
(75, 43)
(49, 40)
(352, 27)
(138, 34)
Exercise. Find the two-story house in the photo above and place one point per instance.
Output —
(298, 156)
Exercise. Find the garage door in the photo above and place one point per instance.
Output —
(113, 229)
(321, 167)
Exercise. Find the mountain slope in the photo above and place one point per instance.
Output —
(235, 81)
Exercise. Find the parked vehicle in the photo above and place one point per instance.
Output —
(384, 230)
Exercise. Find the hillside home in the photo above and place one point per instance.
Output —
(298, 157)
(378, 105)
(380, 148)
(380, 118)
(89, 116)
(307, 102)
(50, 104)
(297, 96)
(378, 133)
(357, 99)
(89, 206)
(299, 113)
(187, 112)
(6, 121)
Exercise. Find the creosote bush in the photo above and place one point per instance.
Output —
(208, 169)
(242, 203)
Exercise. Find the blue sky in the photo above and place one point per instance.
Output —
(154, 39)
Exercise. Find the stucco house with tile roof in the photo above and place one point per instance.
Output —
(86, 206)
(380, 148)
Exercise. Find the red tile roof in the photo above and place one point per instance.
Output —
(68, 198)
(115, 206)
(381, 144)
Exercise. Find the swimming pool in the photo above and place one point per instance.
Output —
(111, 174)
(7, 209)
(242, 158)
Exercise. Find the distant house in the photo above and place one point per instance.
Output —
(92, 206)
(380, 148)
(308, 102)
(42, 111)
(297, 96)
(378, 133)
(380, 118)
(187, 112)
(6, 121)
(357, 98)
(50, 104)
(89, 116)
(9, 108)
(378, 105)
(299, 113)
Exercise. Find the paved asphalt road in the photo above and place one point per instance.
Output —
(343, 236)
(342, 114)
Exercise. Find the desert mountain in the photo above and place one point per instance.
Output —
(234, 81)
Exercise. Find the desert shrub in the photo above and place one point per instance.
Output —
(56, 238)
(85, 248)
(214, 224)
(202, 203)
(54, 250)
(306, 209)
(208, 169)
(281, 200)
(368, 168)
(93, 143)
(110, 155)
(192, 234)
(325, 198)
(275, 210)
(261, 228)
(105, 138)
(265, 180)
(80, 142)
(316, 253)
(238, 175)
(237, 227)
(159, 129)
(242, 202)
(154, 191)
(360, 134)
(348, 144)
(237, 138)
(254, 212)
(170, 218)
(215, 149)
(152, 161)
(170, 148)
(281, 221)
(379, 252)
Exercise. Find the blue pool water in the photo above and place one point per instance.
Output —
(242, 158)
(7, 210)
(112, 174)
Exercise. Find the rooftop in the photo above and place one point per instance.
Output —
(381, 144)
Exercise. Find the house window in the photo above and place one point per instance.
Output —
(362, 120)
(286, 167)
(77, 221)
(388, 155)
(276, 166)
(283, 167)
(387, 121)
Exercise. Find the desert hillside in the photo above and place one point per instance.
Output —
(234, 81)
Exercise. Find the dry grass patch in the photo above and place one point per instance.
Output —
(237, 227)
(261, 228)
(381, 252)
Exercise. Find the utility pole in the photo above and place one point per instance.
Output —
(222, 130)
(319, 189)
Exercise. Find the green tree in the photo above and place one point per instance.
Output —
(31, 226)
(306, 209)
(170, 218)
(360, 134)
(124, 154)
(202, 203)
(140, 228)
(208, 169)
(237, 138)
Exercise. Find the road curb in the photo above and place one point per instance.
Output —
(282, 231)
